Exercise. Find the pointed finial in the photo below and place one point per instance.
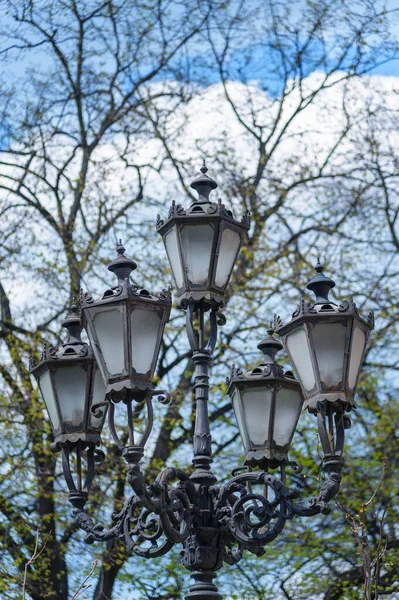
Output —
(270, 346)
(203, 184)
(120, 248)
(73, 325)
(319, 267)
(204, 168)
(321, 285)
(122, 266)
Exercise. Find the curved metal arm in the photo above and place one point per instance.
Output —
(132, 529)
(197, 338)
(78, 486)
(255, 520)
(248, 515)
(151, 514)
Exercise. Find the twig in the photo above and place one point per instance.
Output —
(85, 586)
(32, 559)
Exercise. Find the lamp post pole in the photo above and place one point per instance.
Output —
(201, 554)
(82, 382)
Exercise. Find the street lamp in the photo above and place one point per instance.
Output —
(267, 402)
(125, 328)
(326, 343)
(73, 390)
(214, 524)
(202, 243)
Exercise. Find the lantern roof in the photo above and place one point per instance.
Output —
(321, 285)
(203, 184)
(122, 266)
(74, 348)
(270, 346)
(267, 370)
(202, 208)
(322, 308)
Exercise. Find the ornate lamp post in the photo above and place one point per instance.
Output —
(213, 524)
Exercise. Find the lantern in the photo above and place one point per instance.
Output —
(202, 244)
(71, 385)
(326, 343)
(125, 328)
(267, 403)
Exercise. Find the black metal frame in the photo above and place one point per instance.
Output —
(273, 376)
(304, 317)
(213, 524)
(202, 212)
(72, 354)
(125, 297)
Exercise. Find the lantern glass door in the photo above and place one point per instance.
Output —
(197, 244)
(172, 249)
(238, 411)
(228, 250)
(47, 392)
(329, 341)
(256, 402)
(298, 348)
(108, 325)
(70, 383)
(356, 354)
(287, 411)
(145, 326)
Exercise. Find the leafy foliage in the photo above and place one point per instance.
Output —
(106, 109)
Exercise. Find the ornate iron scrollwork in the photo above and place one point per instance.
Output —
(213, 524)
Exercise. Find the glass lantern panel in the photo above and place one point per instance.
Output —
(96, 353)
(228, 250)
(71, 386)
(288, 407)
(197, 243)
(237, 405)
(108, 325)
(172, 250)
(298, 347)
(145, 325)
(98, 396)
(329, 347)
(356, 354)
(47, 393)
(256, 403)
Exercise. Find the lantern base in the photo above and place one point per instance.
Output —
(86, 439)
(127, 390)
(211, 300)
(337, 401)
(265, 459)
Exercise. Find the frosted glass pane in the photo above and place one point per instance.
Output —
(172, 250)
(288, 406)
(98, 396)
(109, 328)
(227, 254)
(197, 241)
(329, 347)
(358, 344)
(298, 348)
(145, 326)
(236, 402)
(70, 384)
(48, 397)
(95, 351)
(256, 405)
